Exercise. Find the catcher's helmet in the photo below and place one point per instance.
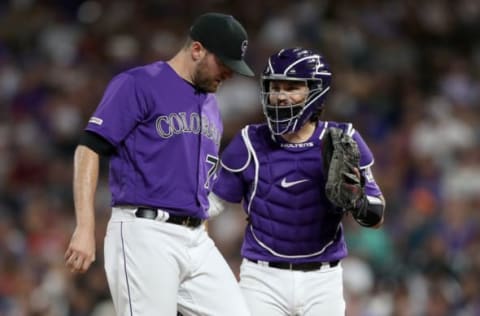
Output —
(300, 65)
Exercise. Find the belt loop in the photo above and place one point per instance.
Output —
(262, 263)
(162, 216)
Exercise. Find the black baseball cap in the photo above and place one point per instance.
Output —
(224, 36)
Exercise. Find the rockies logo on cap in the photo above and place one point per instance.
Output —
(222, 35)
(244, 47)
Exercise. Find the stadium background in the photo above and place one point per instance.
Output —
(406, 72)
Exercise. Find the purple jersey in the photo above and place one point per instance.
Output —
(282, 186)
(166, 134)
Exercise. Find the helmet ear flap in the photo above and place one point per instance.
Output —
(315, 84)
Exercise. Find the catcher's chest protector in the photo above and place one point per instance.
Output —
(289, 212)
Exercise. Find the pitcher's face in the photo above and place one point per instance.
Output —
(210, 73)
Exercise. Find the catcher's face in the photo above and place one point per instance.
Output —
(210, 73)
(283, 104)
(287, 92)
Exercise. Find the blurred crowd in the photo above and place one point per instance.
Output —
(406, 73)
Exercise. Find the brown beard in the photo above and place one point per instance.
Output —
(202, 79)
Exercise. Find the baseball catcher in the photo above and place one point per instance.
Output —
(275, 171)
(344, 185)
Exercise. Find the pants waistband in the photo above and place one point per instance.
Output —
(161, 216)
(304, 266)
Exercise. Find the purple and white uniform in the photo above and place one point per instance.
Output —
(167, 143)
(282, 186)
(167, 136)
(290, 220)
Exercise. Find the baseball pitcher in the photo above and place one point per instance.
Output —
(160, 126)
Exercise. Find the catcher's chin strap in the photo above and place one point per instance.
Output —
(369, 211)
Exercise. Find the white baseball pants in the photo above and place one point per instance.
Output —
(276, 292)
(155, 268)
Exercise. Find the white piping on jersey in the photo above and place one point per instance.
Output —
(367, 166)
(249, 158)
(273, 252)
(250, 148)
(251, 151)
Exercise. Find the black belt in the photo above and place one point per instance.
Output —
(304, 266)
(152, 213)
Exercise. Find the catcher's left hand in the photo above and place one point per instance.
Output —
(341, 159)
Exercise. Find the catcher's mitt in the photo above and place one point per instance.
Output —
(341, 159)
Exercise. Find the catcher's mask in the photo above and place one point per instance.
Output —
(296, 64)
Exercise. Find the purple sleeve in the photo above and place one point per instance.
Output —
(236, 154)
(366, 163)
(366, 156)
(119, 111)
(234, 160)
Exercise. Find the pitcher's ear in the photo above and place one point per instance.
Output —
(197, 51)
